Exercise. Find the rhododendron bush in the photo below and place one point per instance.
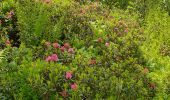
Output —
(72, 49)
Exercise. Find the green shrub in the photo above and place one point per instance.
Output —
(166, 5)
(37, 20)
(10, 79)
(156, 47)
(87, 51)
(95, 67)
(46, 80)
(8, 27)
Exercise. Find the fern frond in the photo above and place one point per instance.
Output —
(1, 55)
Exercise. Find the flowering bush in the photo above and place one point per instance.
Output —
(83, 50)
(8, 28)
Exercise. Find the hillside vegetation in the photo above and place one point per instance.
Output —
(85, 49)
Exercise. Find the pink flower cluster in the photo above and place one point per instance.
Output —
(56, 45)
(74, 86)
(65, 47)
(52, 57)
(107, 44)
(68, 75)
(99, 40)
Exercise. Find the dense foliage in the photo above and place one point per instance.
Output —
(84, 49)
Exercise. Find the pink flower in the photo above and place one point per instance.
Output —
(48, 59)
(68, 75)
(56, 45)
(71, 50)
(107, 44)
(62, 49)
(67, 45)
(54, 57)
(74, 86)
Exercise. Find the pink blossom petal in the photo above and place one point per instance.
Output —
(74, 86)
(107, 44)
(67, 45)
(56, 45)
(68, 75)
(54, 57)
(71, 50)
(48, 59)
(62, 49)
